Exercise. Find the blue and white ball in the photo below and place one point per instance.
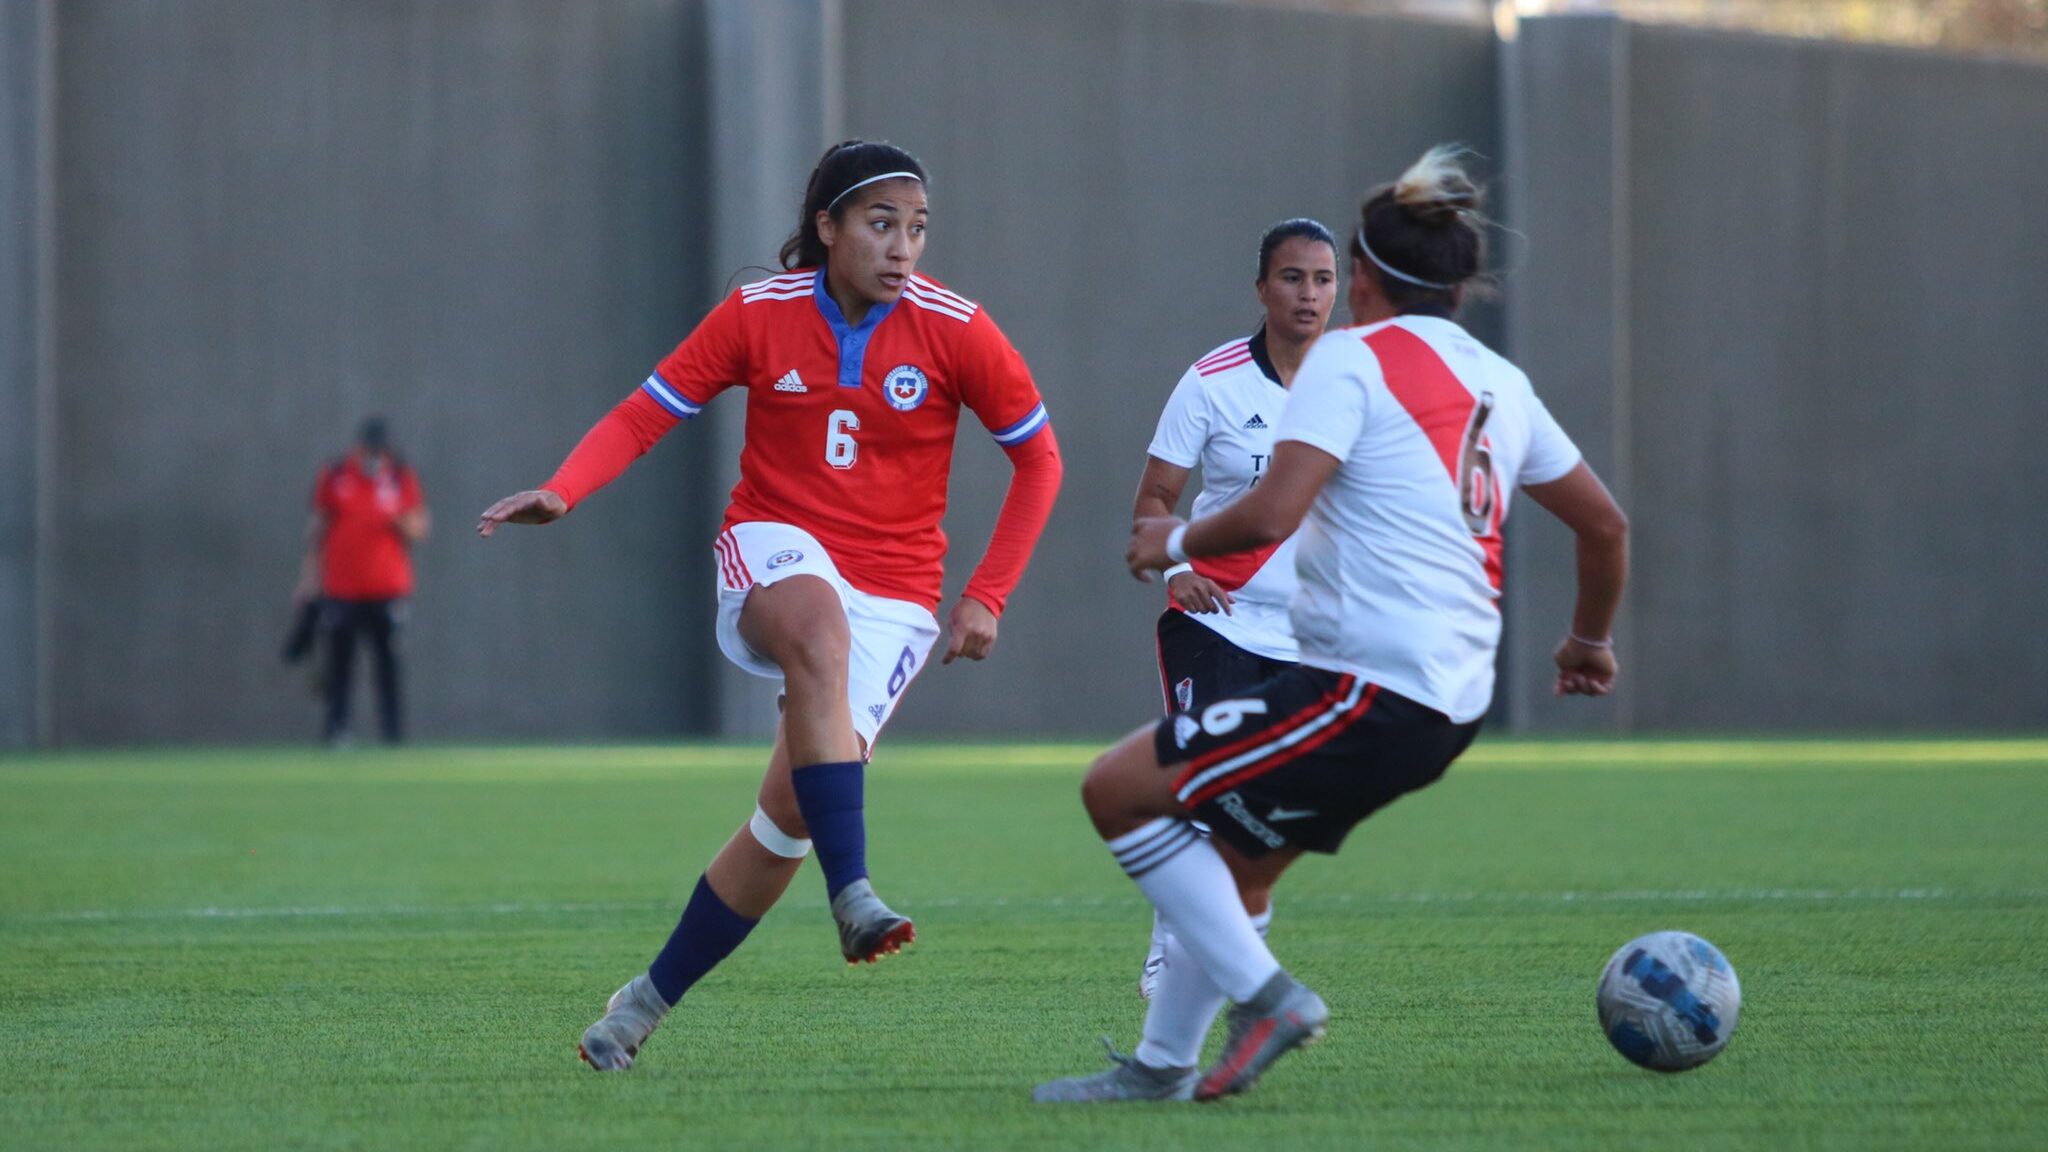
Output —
(1669, 1001)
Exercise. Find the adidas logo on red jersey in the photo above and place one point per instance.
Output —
(791, 382)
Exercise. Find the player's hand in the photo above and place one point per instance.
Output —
(1147, 551)
(539, 506)
(1197, 593)
(971, 632)
(1583, 670)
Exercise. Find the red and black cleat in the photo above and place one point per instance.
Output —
(1285, 1015)
(870, 942)
(868, 930)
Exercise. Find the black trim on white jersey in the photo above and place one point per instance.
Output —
(1259, 357)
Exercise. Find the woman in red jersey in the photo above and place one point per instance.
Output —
(830, 559)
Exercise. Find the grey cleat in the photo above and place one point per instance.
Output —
(1283, 1016)
(1128, 1080)
(630, 1016)
(868, 930)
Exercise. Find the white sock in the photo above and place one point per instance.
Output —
(1184, 1004)
(1161, 936)
(1188, 882)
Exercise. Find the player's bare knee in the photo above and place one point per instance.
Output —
(1114, 801)
(1095, 787)
(1105, 779)
(799, 623)
(811, 645)
(817, 656)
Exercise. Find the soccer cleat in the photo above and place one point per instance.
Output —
(868, 930)
(1128, 1080)
(1283, 1016)
(630, 1016)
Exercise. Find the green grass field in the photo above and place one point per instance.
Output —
(283, 949)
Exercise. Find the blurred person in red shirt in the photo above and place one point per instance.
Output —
(368, 512)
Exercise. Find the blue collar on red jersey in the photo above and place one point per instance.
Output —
(853, 342)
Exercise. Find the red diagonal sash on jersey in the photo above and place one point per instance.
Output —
(1237, 569)
(1425, 386)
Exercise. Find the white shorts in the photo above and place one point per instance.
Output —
(891, 638)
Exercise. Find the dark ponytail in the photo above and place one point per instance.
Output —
(840, 168)
(1424, 227)
(1298, 228)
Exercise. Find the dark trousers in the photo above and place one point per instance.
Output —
(340, 623)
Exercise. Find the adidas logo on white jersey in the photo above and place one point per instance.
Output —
(1255, 422)
(791, 382)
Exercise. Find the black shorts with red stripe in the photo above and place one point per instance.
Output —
(1198, 667)
(1299, 760)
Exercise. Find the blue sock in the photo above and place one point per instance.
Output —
(707, 934)
(829, 796)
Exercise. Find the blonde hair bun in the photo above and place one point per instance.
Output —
(1435, 189)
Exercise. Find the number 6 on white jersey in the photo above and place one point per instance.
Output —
(840, 449)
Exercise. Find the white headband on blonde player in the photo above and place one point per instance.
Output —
(1396, 273)
(873, 180)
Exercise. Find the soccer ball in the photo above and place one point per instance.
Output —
(1668, 1001)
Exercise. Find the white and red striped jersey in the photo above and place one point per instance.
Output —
(1223, 415)
(1400, 557)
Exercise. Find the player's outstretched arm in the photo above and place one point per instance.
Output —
(625, 434)
(1585, 658)
(535, 506)
(1266, 515)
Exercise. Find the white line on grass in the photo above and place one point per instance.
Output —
(723, 762)
(1309, 899)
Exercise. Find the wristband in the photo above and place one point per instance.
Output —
(1177, 569)
(1174, 551)
(1578, 639)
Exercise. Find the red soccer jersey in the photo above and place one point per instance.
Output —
(850, 430)
(363, 557)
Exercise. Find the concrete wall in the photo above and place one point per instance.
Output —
(1101, 174)
(24, 221)
(774, 99)
(1564, 115)
(1824, 260)
(482, 219)
(1780, 291)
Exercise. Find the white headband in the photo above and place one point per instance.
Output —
(874, 180)
(1395, 272)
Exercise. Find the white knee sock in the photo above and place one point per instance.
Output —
(1184, 1004)
(1188, 882)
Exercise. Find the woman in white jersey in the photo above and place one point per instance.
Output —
(1225, 627)
(1402, 442)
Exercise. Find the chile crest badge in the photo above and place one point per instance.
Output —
(905, 387)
